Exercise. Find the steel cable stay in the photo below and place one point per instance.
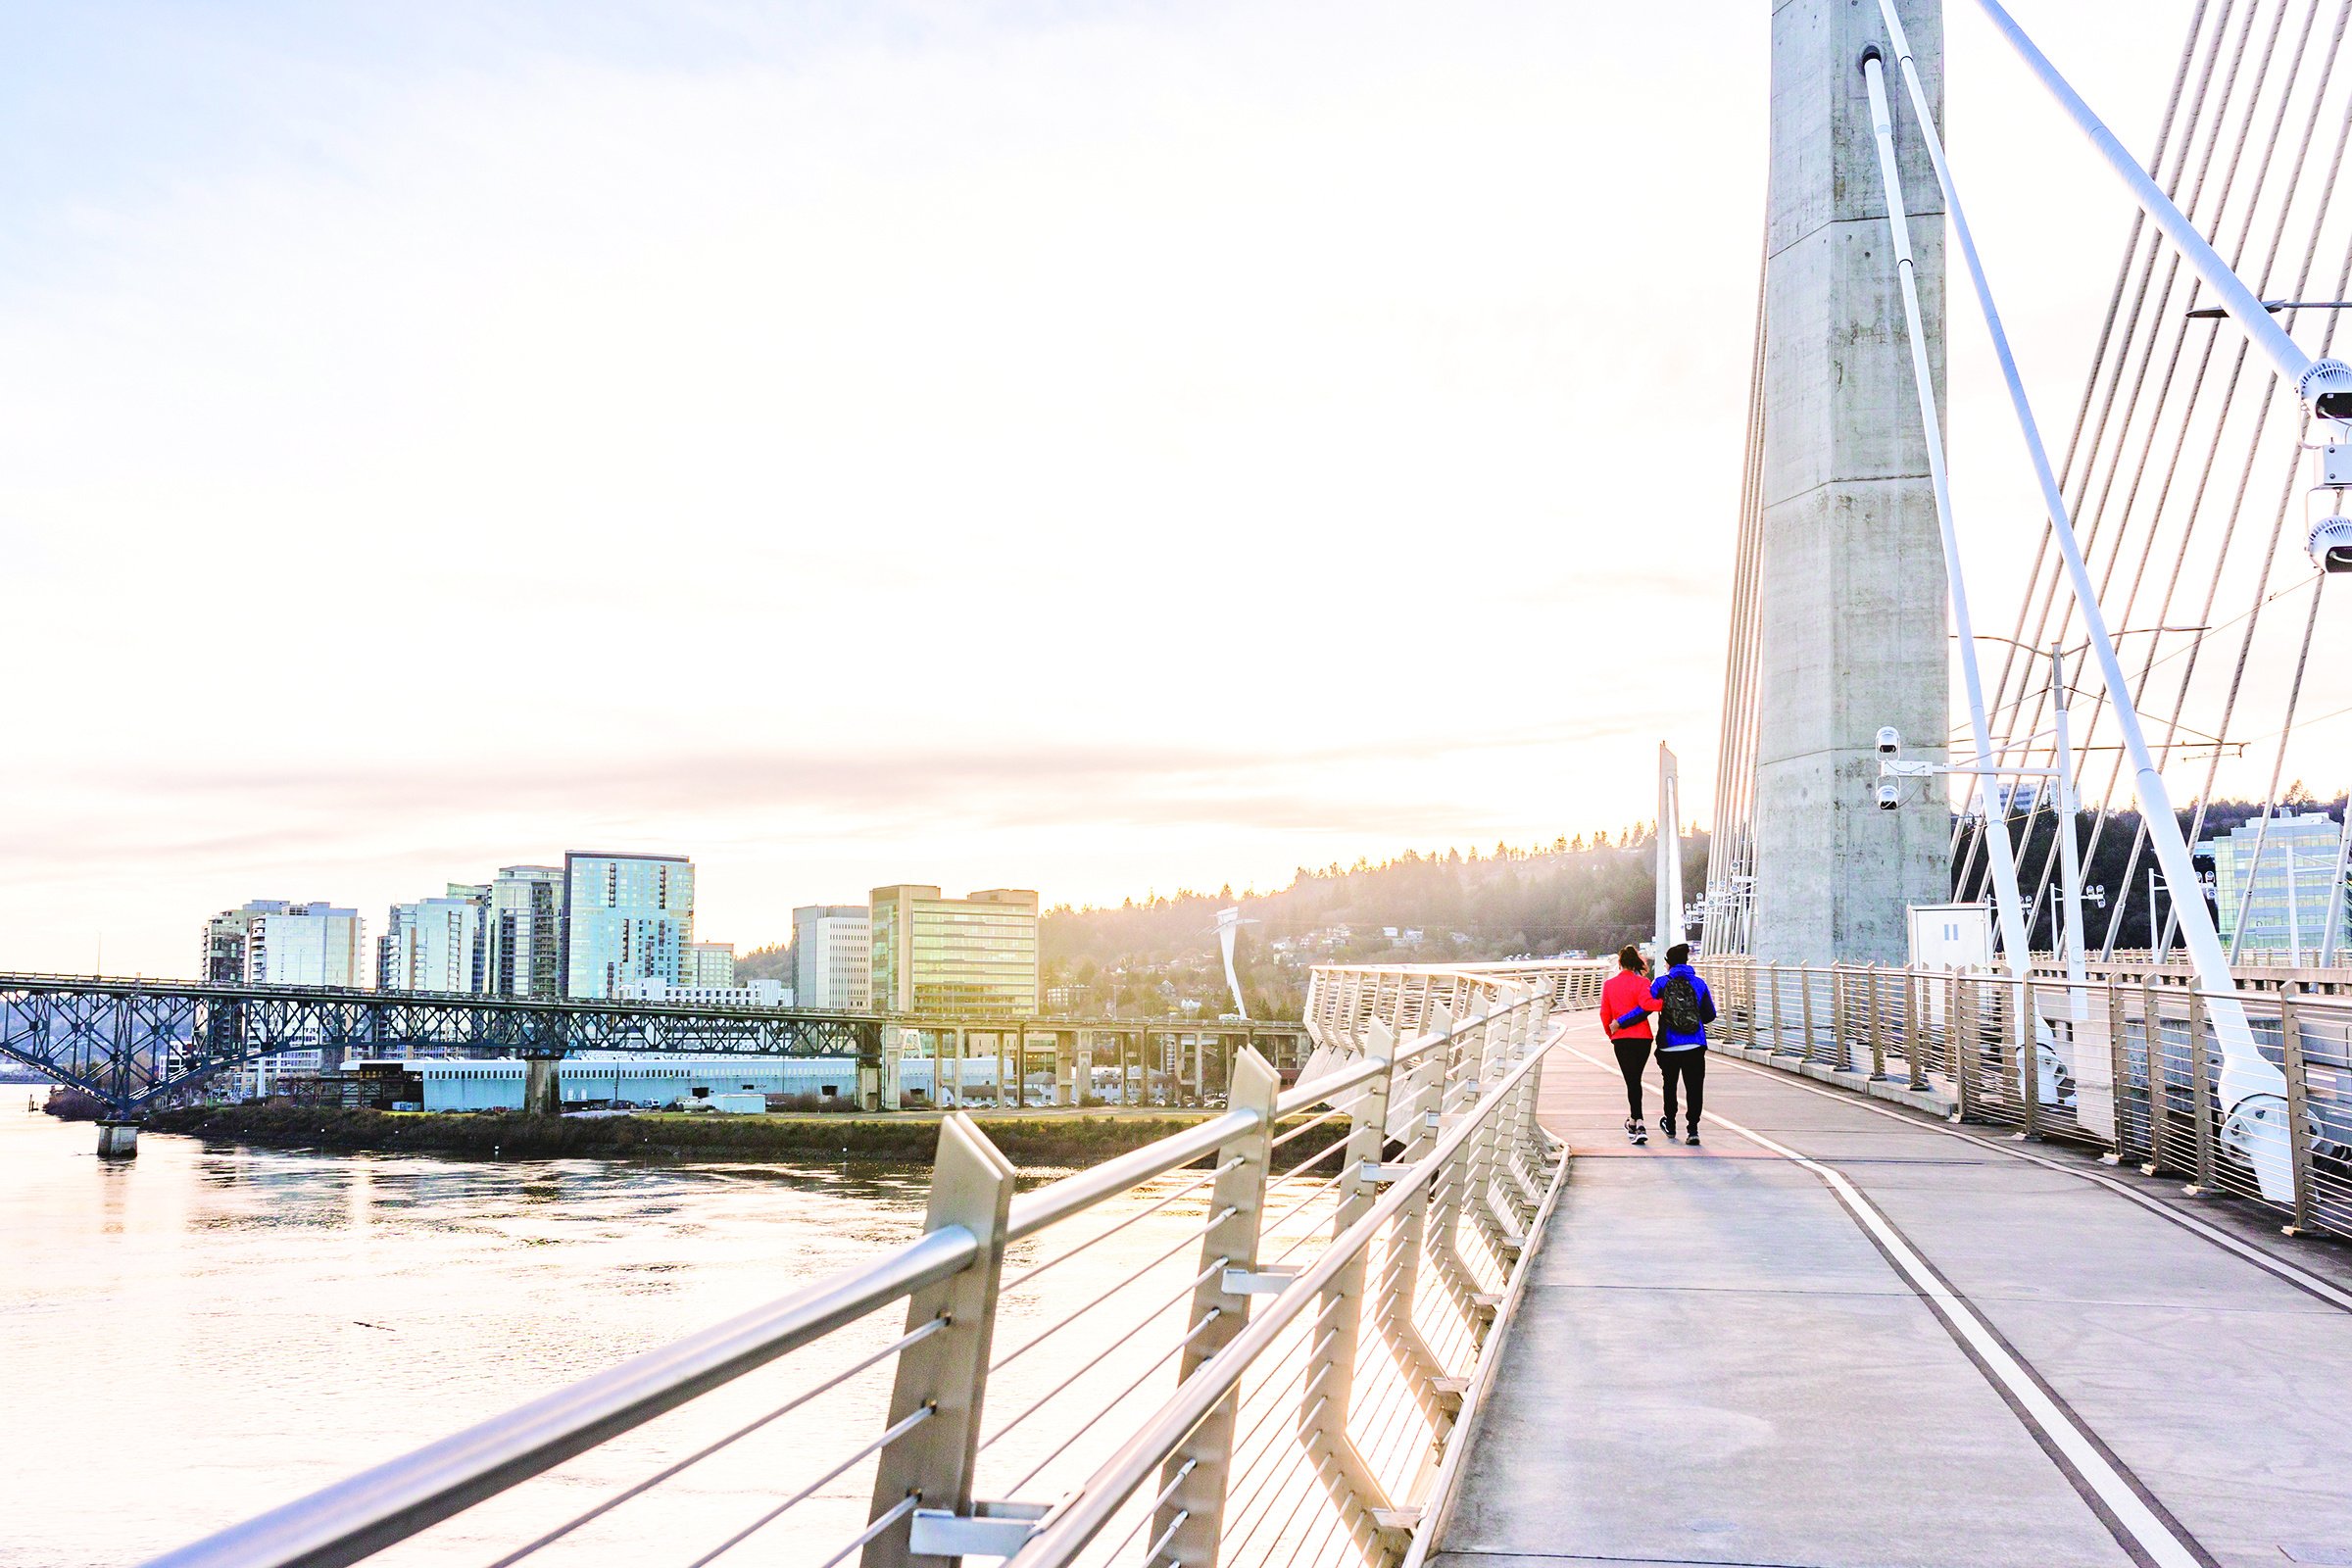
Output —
(2285, 211)
(2105, 796)
(2195, 650)
(2189, 407)
(2049, 601)
(2156, 251)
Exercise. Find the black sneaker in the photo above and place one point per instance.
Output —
(1635, 1133)
(1666, 1126)
(1692, 1140)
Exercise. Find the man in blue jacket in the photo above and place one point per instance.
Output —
(1685, 1007)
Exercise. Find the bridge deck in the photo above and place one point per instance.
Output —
(1717, 1363)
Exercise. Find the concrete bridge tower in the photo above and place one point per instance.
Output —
(1850, 590)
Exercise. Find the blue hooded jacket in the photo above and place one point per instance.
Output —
(1668, 1040)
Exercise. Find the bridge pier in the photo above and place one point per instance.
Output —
(542, 1091)
(118, 1140)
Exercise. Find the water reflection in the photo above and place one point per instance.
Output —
(205, 1332)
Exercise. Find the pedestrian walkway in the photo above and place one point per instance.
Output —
(1985, 1354)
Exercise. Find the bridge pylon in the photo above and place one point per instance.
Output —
(1850, 591)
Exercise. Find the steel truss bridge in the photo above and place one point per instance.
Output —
(135, 1041)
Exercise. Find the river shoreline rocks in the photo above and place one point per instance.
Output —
(1050, 1140)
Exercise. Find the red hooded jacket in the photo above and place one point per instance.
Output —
(1627, 991)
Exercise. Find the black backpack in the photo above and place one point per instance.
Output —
(1680, 1013)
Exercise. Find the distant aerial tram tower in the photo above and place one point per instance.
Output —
(1839, 622)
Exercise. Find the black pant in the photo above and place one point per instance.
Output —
(1632, 1056)
(1690, 1064)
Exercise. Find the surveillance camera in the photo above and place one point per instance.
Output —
(2330, 544)
(1891, 740)
(1890, 797)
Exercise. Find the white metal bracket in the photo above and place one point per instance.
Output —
(992, 1530)
(1271, 1281)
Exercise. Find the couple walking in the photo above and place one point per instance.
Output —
(1684, 1008)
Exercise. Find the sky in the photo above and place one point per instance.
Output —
(1100, 448)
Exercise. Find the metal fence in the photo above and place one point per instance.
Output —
(2051, 1056)
(1286, 1380)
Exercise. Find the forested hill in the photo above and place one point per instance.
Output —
(1573, 896)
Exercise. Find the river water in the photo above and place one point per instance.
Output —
(208, 1331)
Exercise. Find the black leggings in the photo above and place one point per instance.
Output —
(1632, 1056)
(1690, 1065)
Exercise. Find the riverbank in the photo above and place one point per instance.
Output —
(1050, 1140)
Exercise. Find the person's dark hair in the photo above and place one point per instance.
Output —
(1679, 953)
(1628, 956)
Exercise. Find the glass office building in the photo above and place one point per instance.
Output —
(966, 956)
(2298, 901)
(625, 917)
(524, 937)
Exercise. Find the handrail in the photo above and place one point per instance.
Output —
(1079, 1520)
(355, 1517)
(1479, 1180)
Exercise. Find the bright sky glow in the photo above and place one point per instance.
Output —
(1092, 447)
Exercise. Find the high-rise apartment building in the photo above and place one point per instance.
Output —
(975, 954)
(2299, 900)
(273, 942)
(625, 917)
(710, 965)
(435, 944)
(523, 938)
(832, 955)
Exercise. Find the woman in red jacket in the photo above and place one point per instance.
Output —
(1625, 1008)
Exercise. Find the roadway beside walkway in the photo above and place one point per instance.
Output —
(1981, 1359)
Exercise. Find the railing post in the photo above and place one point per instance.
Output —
(2119, 1067)
(2200, 1090)
(2298, 1106)
(1960, 1045)
(1329, 1393)
(2151, 1051)
(1877, 1036)
(1914, 1020)
(971, 1186)
(1392, 1310)
(2029, 1061)
(1199, 1496)
(1772, 980)
(1804, 979)
(1459, 1098)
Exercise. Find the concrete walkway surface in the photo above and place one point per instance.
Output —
(1978, 1360)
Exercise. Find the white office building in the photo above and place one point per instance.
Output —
(522, 932)
(275, 941)
(832, 955)
(435, 943)
(709, 964)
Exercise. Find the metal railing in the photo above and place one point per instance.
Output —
(1282, 1381)
(2051, 1057)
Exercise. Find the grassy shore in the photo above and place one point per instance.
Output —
(1040, 1139)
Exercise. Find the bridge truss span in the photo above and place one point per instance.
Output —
(131, 1041)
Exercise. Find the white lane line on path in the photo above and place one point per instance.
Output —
(2125, 1507)
(2302, 1279)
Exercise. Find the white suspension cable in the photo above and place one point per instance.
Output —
(1996, 826)
(2326, 384)
(2245, 1071)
